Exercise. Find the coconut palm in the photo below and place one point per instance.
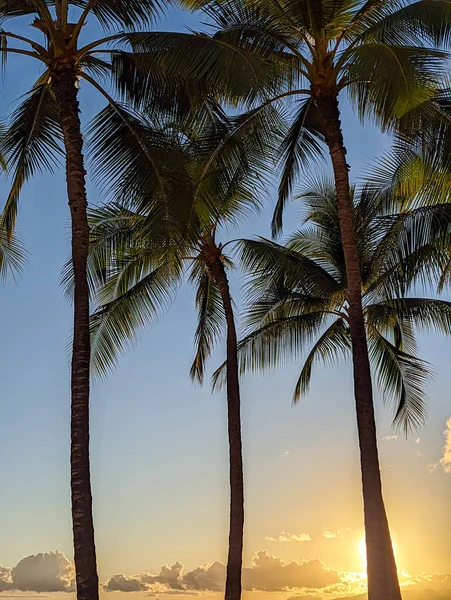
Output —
(47, 123)
(383, 54)
(299, 297)
(137, 261)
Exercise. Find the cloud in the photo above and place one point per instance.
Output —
(445, 461)
(284, 536)
(308, 579)
(121, 583)
(271, 574)
(207, 577)
(330, 535)
(5, 578)
(390, 438)
(267, 573)
(170, 576)
(49, 572)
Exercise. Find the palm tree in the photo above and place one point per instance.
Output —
(137, 260)
(383, 54)
(47, 123)
(299, 296)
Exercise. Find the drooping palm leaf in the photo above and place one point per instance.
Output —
(211, 318)
(31, 144)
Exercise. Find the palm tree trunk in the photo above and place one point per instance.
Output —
(64, 84)
(382, 574)
(235, 556)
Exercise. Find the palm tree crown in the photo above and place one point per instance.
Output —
(384, 54)
(299, 296)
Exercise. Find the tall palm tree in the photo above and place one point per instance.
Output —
(137, 260)
(47, 123)
(299, 296)
(383, 53)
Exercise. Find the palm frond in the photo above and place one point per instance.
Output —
(333, 344)
(271, 263)
(12, 254)
(116, 324)
(230, 72)
(31, 143)
(387, 81)
(211, 318)
(402, 378)
(128, 14)
(301, 145)
(139, 164)
(274, 345)
(417, 23)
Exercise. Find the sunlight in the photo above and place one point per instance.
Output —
(362, 550)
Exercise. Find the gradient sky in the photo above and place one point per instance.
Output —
(159, 446)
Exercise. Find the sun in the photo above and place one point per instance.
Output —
(362, 550)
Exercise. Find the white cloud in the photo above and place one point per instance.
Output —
(330, 535)
(284, 536)
(49, 572)
(445, 460)
(390, 438)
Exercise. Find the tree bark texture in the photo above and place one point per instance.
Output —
(382, 573)
(64, 81)
(235, 554)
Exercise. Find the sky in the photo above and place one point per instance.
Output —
(159, 445)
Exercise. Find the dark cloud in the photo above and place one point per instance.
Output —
(49, 572)
(207, 577)
(121, 583)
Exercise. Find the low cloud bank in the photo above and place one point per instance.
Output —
(308, 579)
(267, 573)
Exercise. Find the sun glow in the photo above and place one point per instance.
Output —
(362, 550)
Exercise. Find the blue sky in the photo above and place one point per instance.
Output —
(159, 448)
